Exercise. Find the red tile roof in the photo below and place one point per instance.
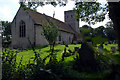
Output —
(42, 19)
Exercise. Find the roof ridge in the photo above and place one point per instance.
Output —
(41, 19)
(48, 16)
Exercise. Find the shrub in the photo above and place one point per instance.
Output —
(10, 69)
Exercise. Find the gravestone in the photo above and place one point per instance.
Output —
(76, 48)
(113, 49)
(100, 46)
(101, 50)
(86, 57)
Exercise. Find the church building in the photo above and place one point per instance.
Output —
(26, 28)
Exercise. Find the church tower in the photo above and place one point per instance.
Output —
(69, 17)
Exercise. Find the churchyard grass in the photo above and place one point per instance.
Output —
(44, 51)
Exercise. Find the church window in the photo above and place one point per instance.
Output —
(69, 39)
(22, 29)
(59, 38)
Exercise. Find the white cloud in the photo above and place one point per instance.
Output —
(8, 9)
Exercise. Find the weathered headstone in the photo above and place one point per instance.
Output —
(86, 55)
(100, 46)
(113, 49)
(101, 50)
(76, 48)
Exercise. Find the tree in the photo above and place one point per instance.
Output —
(114, 15)
(33, 5)
(50, 31)
(110, 32)
(6, 27)
(109, 24)
(86, 32)
(99, 31)
(98, 40)
(90, 12)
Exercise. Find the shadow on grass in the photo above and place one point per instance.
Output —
(57, 50)
(39, 47)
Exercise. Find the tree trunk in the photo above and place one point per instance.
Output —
(114, 14)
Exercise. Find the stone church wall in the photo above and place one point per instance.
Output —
(40, 39)
(22, 42)
(66, 37)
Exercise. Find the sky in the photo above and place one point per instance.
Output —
(9, 8)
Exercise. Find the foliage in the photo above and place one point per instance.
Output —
(11, 70)
(115, 17)
(98, 40)
(110, 32)
(6, 27)
(33, 5)
(50, 31)
(53, 69)
(90, 34)
(109, 24)
(6, 34)
(99, 31)
(90, 12)
(86, 32)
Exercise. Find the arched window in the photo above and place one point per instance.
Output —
(59, 38)
(22, 29)
(69, 39)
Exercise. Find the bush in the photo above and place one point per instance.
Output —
(10, 69)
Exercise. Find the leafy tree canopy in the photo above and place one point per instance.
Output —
(90, 12)
(34, 5)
